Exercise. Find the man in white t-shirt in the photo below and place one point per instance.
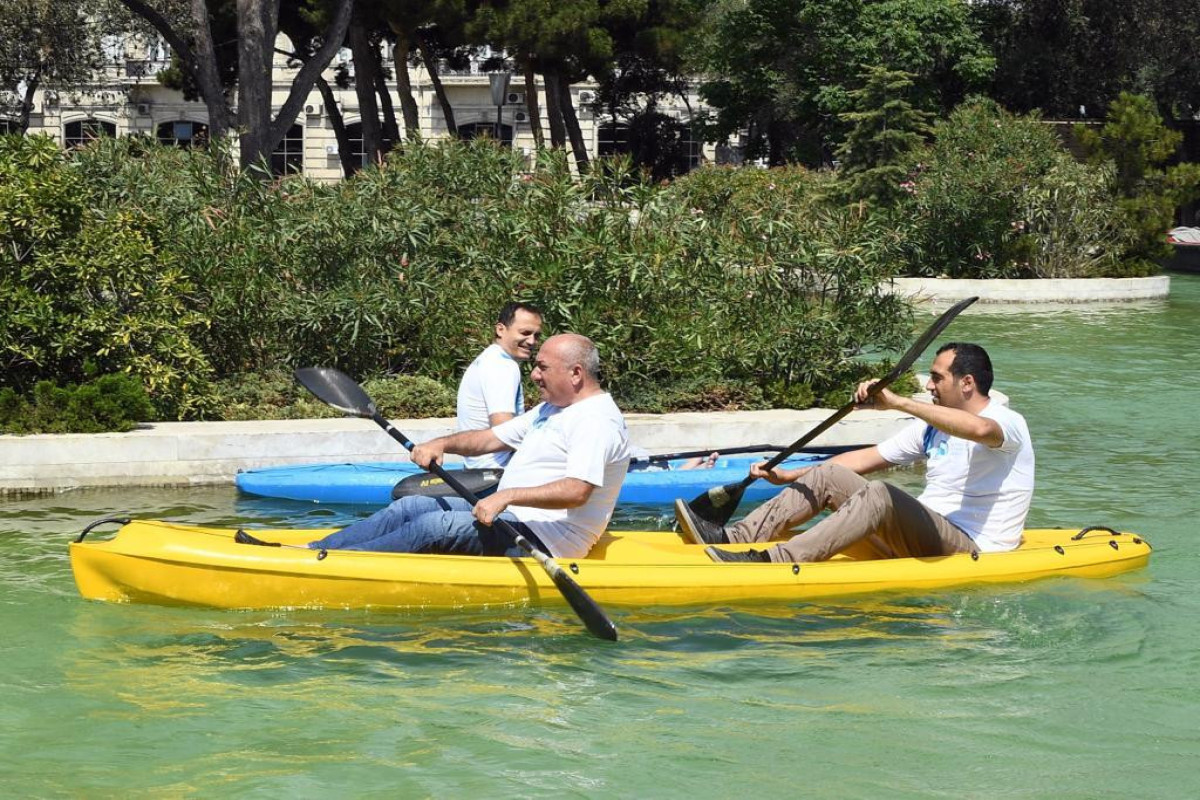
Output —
(490, 391)
(571, 454)
(978, 487)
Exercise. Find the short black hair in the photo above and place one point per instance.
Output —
(510, 309)
(970, 359)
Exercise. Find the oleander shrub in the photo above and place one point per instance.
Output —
(998, 196)
(108, 403)
(401, 268)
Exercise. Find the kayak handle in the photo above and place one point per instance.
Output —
(1091, 528)
(103, 521)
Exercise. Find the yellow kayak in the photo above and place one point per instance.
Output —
(169, 564)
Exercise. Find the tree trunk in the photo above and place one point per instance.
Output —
(429, 59)
(366, 66)
(391, 130)
(256, 42)
(331, 42)
(31, 85)
(531, 103)
(558, 133)
(349, 164)
(257, 25)
(571, 123)
(408, 103)
(200, 60)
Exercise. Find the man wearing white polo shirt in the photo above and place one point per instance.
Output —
(559, 489)
(978, 481)
(490, 392)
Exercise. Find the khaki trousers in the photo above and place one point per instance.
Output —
(875, 518)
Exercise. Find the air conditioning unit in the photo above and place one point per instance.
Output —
(587, 96)
(515, 98)
(521, 116)
(143, 109)
(312, 110)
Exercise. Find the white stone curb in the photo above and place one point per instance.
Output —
(175, 453)
(1045, 290)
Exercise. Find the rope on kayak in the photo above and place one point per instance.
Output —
(103, 521)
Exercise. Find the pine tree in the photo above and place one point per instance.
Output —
(886, 134)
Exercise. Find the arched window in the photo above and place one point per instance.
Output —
(182, 133)
(612, 138)
(474, 130)
(79, 133)
(288, 157)
(354, 133)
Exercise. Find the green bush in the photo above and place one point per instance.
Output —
(85, 282)
(412, 396)
(401, 268)
(999, 197)
(1136, 144)
(273, 394)
(276, 395)
(109, 403)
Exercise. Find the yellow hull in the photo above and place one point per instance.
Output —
(169, 564)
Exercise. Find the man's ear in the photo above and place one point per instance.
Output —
(499, 329)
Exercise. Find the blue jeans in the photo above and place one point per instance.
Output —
(428, 525)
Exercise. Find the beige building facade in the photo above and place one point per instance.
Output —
(128, 99)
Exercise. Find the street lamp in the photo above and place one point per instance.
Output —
(499, 81)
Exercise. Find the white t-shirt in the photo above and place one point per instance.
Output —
(491, 385)
(985, 491)
(586, 440)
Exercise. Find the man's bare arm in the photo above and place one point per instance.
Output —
(562, 493)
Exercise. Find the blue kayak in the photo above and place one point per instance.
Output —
(371, 483)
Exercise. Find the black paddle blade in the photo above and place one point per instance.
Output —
(480, 482)
(935, 330)
(336, 389)
(594, 618)
(718, 503)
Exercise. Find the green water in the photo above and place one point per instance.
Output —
(1064, 688)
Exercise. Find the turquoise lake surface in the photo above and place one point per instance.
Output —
(1065, 688)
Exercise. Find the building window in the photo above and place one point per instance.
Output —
(473, 130)
(77, 134)
(354, 134)
(692, 150)
(612, 139)
(183, 134)
(9, 126)
(288, 157)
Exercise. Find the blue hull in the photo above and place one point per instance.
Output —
(371, 483)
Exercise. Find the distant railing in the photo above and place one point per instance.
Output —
(144, 67)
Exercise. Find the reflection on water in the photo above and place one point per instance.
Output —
(986, 691)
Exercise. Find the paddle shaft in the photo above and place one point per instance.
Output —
(588, 610)
(906, 361)
(750, 448)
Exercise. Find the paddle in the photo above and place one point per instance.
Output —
(338, 390)
(718, 504)
(750, 448)
(483, 481)
(480, 482)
